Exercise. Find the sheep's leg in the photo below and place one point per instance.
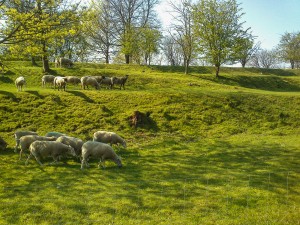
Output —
(29, 157)
(17, 145)
(101, 163)
(38, 160)
(82, 163)
(21, 152)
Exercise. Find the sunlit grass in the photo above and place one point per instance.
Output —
(213, 151)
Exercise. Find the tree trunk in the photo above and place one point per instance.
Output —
(217, 70)
(46, 67)
(127, 59)
(33, 62)
(292, 64)
(107, 56)
(187, 65)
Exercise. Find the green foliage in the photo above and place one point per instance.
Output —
(214, 151)
(218, 30)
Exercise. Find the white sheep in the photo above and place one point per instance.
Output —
(43, 149)
(73, 80)
(108, 137)
(54, 134)
(47, 79)
(59, 62)
(74, 142)
(26, 141)
(60, 82)
(100, 151)
(20, 81)
(109, 81)
(121, 81)
(88, 80)
(21, 133)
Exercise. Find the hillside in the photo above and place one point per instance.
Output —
(194, 154)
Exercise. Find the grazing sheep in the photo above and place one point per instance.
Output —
(54, 134)
(21, 133)
(43, 149)
(26, 141)
(109, 81)
(75, 143)
(86, 81)
(108, 137)
(121, 81)
(20, 81)
(3, 144)
(47, 79)
(98, 78)
(60, 82)
(73, 80)
(98, 150)
(59, 62)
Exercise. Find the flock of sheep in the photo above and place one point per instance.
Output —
(61, 82)
(57, 145)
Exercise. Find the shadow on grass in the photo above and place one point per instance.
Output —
(267, 83)
(10, 95)
(81, 95)
(36, 93)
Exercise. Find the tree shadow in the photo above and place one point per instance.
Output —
(10, 95)
(36, 93)
(81, 95)
(5, 79)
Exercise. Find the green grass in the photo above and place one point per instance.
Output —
(214, 151)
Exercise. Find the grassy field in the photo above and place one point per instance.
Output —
(212, 151)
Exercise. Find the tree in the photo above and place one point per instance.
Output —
(289, 48)
(49, 21)
(129, 17)
(103, 36)
(246, 50)
(172, 51)
(218, 28)
(265, 59)
(182, 26)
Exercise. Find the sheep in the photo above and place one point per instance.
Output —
(43, 149)
(108, 137)
(19, 134)
(76, 143)
(86, 81)
(26, 141)
(98, 150)
(121, 81)
(47, 79)
(73, 80)
(108, 81)
(3, 144)
(60, 82)
(54, 134)
(98, 78)
(59, 62)
(20, 81)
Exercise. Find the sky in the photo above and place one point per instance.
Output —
(268, 19)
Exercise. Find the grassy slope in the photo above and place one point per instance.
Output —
(220, 151)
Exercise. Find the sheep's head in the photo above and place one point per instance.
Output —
(118, 162)
(71, 151)
(124, 144)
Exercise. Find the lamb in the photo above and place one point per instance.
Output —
(108, 137)
(20, 81)
(47, 79)
(26, 141)
(59, 62)
(121, 81)
(108, 81)
(86, 81)
(19, 134)
(43, 149)
(54, 134)
(60, 82)
(75, 143)
(98, 150)
(3, 144)
(73, 80)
